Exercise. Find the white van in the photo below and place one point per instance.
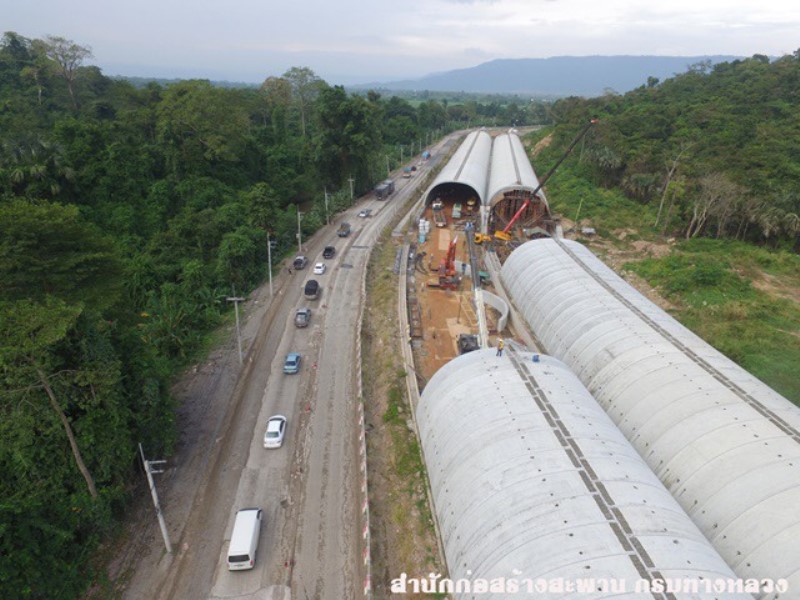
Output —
(244, 539)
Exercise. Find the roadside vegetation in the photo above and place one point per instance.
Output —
(691, 184)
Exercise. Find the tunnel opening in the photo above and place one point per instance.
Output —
(459, 200)
(534, 221)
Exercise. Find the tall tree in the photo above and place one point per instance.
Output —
(305, 88)
(202, 126)
(68, 57)
(29, 331)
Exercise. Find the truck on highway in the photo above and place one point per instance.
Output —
(384, 189)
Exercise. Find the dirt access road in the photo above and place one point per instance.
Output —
(309, 488)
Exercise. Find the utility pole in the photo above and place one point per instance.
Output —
(236, 301)
(401, 154)
(578, 213)
(327, 217)
(149, 471)
(388, 170)
(352, 197)
(299, 233)
(269, 259)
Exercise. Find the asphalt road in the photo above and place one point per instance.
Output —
(310, 544)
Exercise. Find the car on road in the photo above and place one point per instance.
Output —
(300, 262)
(365, 213)
(292, 363)
(276, 430)
(344, 230)
(244, 539)
(311, 289)
(302, 317)
(329, 252)
(319, 268)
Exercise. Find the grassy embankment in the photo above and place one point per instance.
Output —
(741, 298)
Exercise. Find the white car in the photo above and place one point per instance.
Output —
(319, 268)
(276, 429)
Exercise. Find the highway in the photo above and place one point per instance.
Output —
(309, 489)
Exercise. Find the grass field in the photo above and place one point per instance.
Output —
(741, 298)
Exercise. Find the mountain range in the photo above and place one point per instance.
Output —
(556, 76)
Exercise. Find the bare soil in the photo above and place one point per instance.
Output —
(403, 535)
(541, 145)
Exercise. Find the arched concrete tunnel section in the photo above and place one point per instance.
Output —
(530, 479)
(723, 443)
(512, 182)
(463, 179)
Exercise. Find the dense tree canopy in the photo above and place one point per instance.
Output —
(126, 215)
(716, 147)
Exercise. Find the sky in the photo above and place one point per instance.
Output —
(364, 41)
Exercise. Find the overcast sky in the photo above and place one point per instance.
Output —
(357, 41)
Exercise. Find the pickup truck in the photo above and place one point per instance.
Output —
(300, 263)
(344, 230)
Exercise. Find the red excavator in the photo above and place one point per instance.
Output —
(448, 279)
(505, 233)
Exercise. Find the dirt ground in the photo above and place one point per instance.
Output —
(617, 255)
(445, 313)
(402, 532)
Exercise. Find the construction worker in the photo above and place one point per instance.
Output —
(500, 345)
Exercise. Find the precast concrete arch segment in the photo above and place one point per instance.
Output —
(469, 166)
(532, 480)
(510, 169)
(725, 444)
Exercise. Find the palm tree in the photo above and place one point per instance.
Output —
(34, 168)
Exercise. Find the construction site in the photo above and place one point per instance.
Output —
(569, 425)
(470, 219)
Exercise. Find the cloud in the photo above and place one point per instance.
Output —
(387, 40)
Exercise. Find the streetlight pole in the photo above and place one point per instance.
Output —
(388, 170)
(299, 233)
(352, 181)
(327, 217)
(236, 301)
(149, 470)
(269, 259)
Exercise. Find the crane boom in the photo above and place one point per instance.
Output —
(504, 234)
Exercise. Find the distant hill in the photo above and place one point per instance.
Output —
(556, 76)
(141, 82)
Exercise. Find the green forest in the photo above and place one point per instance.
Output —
(127, 215)
(704, 166)
(713, 151)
